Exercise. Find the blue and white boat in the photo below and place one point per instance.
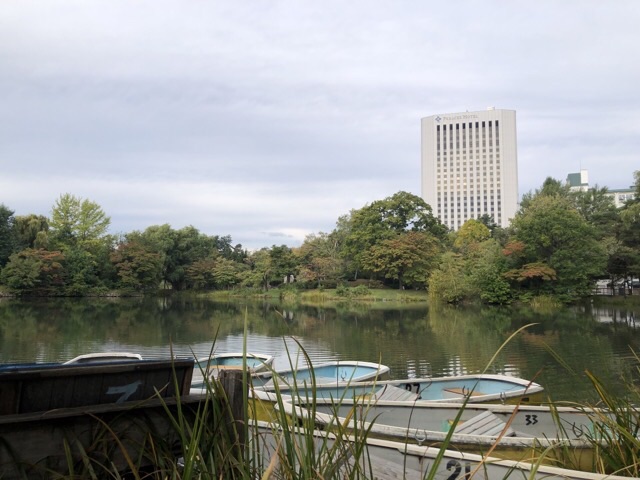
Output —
(328, 373)
(480, 388)
(213, 365)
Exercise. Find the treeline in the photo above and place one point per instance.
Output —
(558, 244)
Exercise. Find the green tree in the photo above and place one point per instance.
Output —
(636, 198)
(319, 259)
(597, 208)
(75, 221)
(448, 282)
(471, 233)
(138, 268)
(383, 220)
(407, 257)
(555, 234)
(199, 274)
(34, 271)
(227, 273)
(178, 249)
(283, 263)
(550, 188)
(260, 269)
(485, 267)
(7, 234)
(32, 231)
(81, 272)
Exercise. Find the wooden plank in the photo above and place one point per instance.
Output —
(391, 392)
(486, 424)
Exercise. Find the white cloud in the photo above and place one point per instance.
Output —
(262, 118)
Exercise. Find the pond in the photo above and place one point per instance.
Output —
(416, 340)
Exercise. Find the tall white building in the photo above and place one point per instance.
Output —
(470, 166)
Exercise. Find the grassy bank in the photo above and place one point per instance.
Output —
(327, 297)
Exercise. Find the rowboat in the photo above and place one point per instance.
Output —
(336, 371)
(212, 366)
(386, 459)
(103, 357)
(480, 388)
(508, 431)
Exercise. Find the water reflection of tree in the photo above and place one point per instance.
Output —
(414, 340)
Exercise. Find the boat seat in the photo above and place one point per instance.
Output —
(391, 392)
(486, 423)
(464, 392)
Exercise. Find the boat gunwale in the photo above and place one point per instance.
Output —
(380, 368)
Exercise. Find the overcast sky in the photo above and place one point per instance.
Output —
(267, 120)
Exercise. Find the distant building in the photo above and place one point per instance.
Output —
(580, 182)
(622, 195)
(470, 166)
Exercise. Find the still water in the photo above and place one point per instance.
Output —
(415, 340)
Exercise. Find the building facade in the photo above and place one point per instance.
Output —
(470, 166)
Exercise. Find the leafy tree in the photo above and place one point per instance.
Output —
(488, 221)
(177, 248)
(485, 266)
(227, 273)
(448, 281)
(550, 188)
(407, 257)
(199, 274)
(34, 271)
(260, 269)
(283, 263)
(636, 198)
(629, 237)
(32, 231)
(623, 262)
(597, 208)
(138, 268)
(629, 227)
(471, 233)
(81, 274)
(383, 220)
(7, 234)
(224, 248)
(533, 274)
(319, 259)
(555, 235)
(75, 221)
